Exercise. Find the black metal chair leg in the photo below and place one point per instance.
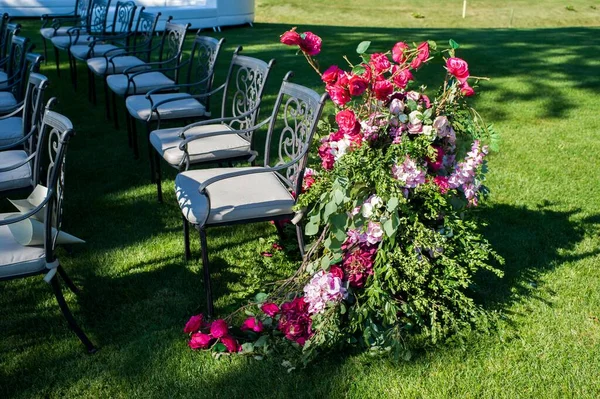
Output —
(73, 68)
(115, 114)
(68, 282)
(129, 130)
(92, 85)
(134, 137)
(57, 61)
(186, 239)
(207, 284)
(45, 50)
(300, 236)
(69, 316)
(150, 153)
(158, 177)
(106, 99)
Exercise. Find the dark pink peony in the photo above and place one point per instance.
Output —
(290, 38)
(218, 328)
(380, 63)
(200, 341)
(383, 89)
(252, 324)
(230, 343)
(422, 55)
(442, 183)
(337, 271)
(339, 95)
(401, 77)
(295, 322)
(357, 85)
(270, 309)
(310, 44)
(458, 68)
(194, 324)
(466, 90)
(358, 264)
(398, 52)
(330, 76)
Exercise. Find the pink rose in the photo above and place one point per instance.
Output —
(338, 94)
(442, 183)
(466, 90)
(252, 324)
(200, 341)
(458, 68)
(230, 343)
(347, 122)
(270, 308)
(218, 328)
(290, 38)
(310, 44)
(336, 271)
(383, 89)
(398, 52)
(380, 62)
(327, 158)
(194, 324)
(422, 55)
(401, 77)
(357, 85)
(331, 74)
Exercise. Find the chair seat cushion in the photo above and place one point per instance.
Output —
(80, 51)
(143, 83)
(63, 42)
(49, 33)
(187, 106)
(11, 130)
(214, 148)
(16, 259)
(98, 65)
(7, 101)
(15, 178)
(254, 196)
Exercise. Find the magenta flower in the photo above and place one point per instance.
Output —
(270, 309)
(218, 328)
(195, 323)
(252, 324)
(200, 341)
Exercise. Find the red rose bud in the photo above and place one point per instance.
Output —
(195, 323)
(466, 90)
(252, 324)
(398, 52)
(357, 85)
(310, 44)
(422, 55)
(230, 343)
(218, 328)
(347, 122)
(200, 341)
(290, 38)
(338, 94)
(383, 89)
(458, 68)
(402, 77)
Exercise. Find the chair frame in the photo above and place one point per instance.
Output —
(18, 87)
(61, 130)
(296, 139)
(78, 17)
(205, 50)
(7, 31)
(246, 119)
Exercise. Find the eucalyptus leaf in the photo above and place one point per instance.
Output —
(363, 47)
(453, 44)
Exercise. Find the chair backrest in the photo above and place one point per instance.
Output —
(16, 58)
(55, 133)
(32, 65)
(97, 17)
(201, 68)
(244, 87)
(122, 21)
(3, 25)
(143, 33)
(82, 9)
(32, 112)
(171, 48)
(295, 117)
(8, 32)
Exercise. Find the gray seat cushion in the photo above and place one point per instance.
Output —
(7, 101)
(80, 51)
(16, 259)
(143, 83)
(166, 142)
(63, 42)
(139, 106)
(260, 195)
(15, 178)
(49, 33)
(11, 130)
(98, 64)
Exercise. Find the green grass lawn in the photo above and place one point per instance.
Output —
(543, 216)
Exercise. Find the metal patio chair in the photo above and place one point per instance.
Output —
(59, 24)
(228, 196)
(185, 101)
(15, 62)
(241, 99)
(19, 261)
(141, 79)
(12, 96)
(7, 31)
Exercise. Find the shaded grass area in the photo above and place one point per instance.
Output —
(543, 217)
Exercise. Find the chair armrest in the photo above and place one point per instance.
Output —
(173, 88)
(18, 164)
(219, 120)
(18, 142)
(152, 64)
(14, 112)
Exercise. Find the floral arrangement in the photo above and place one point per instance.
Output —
(389, 201)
